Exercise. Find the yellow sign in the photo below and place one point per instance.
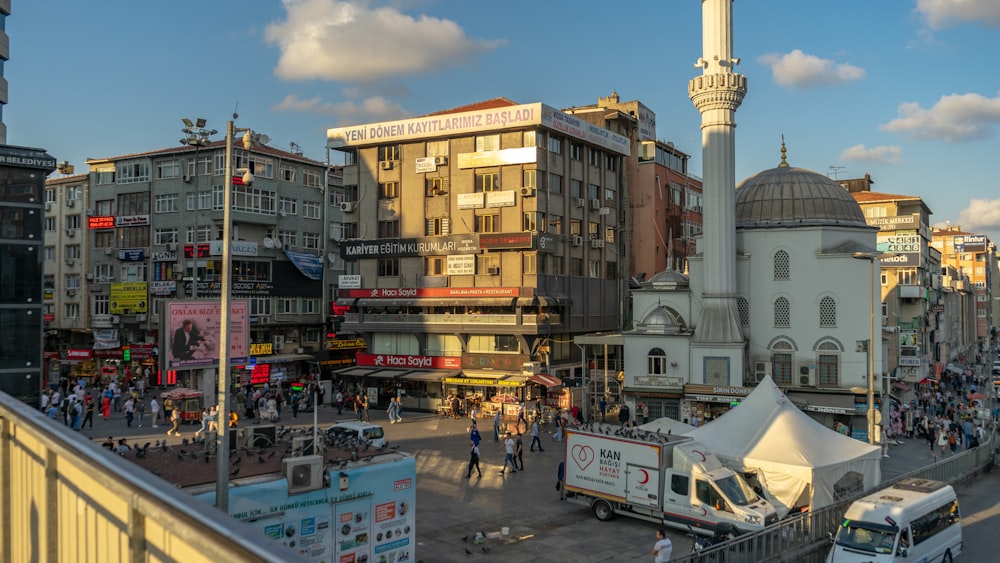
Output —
(129, 298)
(261, 349)
(342, 344)
(483, 382)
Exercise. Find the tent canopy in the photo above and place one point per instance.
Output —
(667, 425)
(800, 461)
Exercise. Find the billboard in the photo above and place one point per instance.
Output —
(128, 298)
(193, 328)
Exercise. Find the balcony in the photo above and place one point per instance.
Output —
(911, 291)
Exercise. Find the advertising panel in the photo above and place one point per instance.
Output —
(407, 247)
(408, 361)
(349, 281)
(969, 243)
(520, 155)
(461, 265)
(417, 292)
(899, 243)
(193, 328)
(128, 298)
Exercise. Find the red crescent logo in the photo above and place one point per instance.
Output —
(703, 458)
(645, 477)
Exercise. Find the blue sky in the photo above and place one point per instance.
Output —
(900, 89)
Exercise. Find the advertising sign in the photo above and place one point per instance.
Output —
(408, 361)
(899, 243)
(407, 247)
(472, 201)
(128, 298)
(416, 292)
(131, 220)
(895, 222)
(131, 254)
(425, 164)
(193, 329)
(969, 243)
(101, 222)
(236, 248)
(505, 240)
(461, 265)
(349, 281)
(520, 155)
(503, 198)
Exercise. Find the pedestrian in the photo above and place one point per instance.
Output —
(168, 408)
(175, 421)
(560, 473)
(663, 548)
(953, 440)
(295, 404)
(604, 409)
(204, 424)
(474, 435)
(521, 417)
(624, 415)
(140, 410)
(391, 411)
(942, 441)
(154, 411)
(339, 400)
(129, 411)
(560, 422)
(364, 407)
(534, 436)
(357, 408)
(519, 453)
(116, 396)
(508, 446)
(496, 426)
(473, 460)
(90, 407)
(77, 414)
(241, 401)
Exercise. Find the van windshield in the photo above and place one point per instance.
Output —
(867, 537)
(737, 490)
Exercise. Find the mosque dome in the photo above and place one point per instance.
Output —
(667, 278)
(794, 197)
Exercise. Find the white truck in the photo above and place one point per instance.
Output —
(660, 478)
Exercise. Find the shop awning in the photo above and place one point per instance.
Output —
(387, 302)
(518, 380)
(282, 358)
(487, 379)
(429, 375)
(823, 402)
(353, 371)
(345, 301)
(387, 373)
(546, 380)
(953, 369)
(486, 374)
(901, 386)
(380, 373)
(543, 300)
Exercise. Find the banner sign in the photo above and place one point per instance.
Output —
(194, 331)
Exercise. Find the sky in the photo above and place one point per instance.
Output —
(898, 89)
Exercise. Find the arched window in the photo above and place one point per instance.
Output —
(827, 312)
(657, 362)
(743, 308)
(781, 362)
(781, 265)
(828, 363)
(782, 313)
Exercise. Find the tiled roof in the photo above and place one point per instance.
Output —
(486, 104)
(872, 197)
(262, 149)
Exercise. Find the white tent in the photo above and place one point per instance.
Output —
(800, 462)
(667, 425)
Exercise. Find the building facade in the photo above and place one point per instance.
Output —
(972, 256)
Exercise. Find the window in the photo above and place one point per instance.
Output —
(388, 266)
(73, 251)
(388, 190)
(533, 221)
(532, 139)
(167, 203)
(105, 178)
(743, 308)
(594, 268)
(286, 305)
(72, 281)
(202, 165)
(131, 172)
(388, 152)
(104, 239)
(829, 370)
(50, 224)
(434, 186)
(656, 362)
(484, 262)
(288, 206)
(310, 241)
(72, 310)
(593, 230)
(255, 163)
(827, 312)
(50, 253)
(434, 266)
(135, 203)
(593, 191)
(165, 236)
(576, 188)
(529, 264)
(907, 276)
(576, 267)
(594, 157)
(609, 235)
(287, 173)
(781, 368)
(487, 223)
(555, 183)
(555, 144)
(576, 151)
(131, 237)
(609, 195)
(249, 270)
(437, 148)
(72, 221)
(168, 169)
(310, 178)
(935, 521)
(200, 200)
(487, 343)
(781, 265)
(487, 142)
(248, 199)
(50, 196)
(530, 179)
(134, 272)
(438, 226)
(101, 304)
(679, 484)
(310, 210)
(782, 313)
(488, 182)
(288, 238)
(884, 278)
(388, 229)
(260, 306)
(555, 224)
(611, 162)
(575, 227)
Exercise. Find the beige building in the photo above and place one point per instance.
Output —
(973, 256)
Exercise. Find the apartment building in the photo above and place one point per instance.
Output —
(972, 256)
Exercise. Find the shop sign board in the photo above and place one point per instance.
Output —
(346, 344)
(196, 343)
(408, 361)
(418, 292)
(128, 298)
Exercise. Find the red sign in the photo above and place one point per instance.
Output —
(505, 240)
(260, 374)
(404, 361)
(415, 292)
(101, 222)
(203, 250)
(76, 354)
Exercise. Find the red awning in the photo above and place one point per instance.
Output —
(546, 380)
(901, 386)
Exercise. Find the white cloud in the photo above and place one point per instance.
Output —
(954, 118)
(889, 154)
(347, 112)
(353, 41)
(946, 13)
(799, 69)
(981, 215)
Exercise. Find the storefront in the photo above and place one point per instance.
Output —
(490, 391)
(829, 409)
(415, 379)
(708, 402)
(339, 354)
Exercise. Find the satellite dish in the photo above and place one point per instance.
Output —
(268, 242)
(263, 139)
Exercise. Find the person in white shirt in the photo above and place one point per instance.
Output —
(663, 548)
(154, 410)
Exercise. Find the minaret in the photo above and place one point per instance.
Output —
(717, 93)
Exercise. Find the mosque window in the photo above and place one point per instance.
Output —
(829, 370)
(781, 369)
(827, 312)
(657, 360)
(743, 308)
(781, 265)
(782, 312)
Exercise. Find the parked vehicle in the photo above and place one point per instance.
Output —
(671, 480)
(913, 520)
(364, 432)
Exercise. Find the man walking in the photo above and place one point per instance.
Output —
(509, 445)
(663, 548)
(604, 409)
(154, 411)
(339, 399)
(129, 411)
(496, 426)
(534, 436)
(473, 460)
(519, 453)
(624, 415)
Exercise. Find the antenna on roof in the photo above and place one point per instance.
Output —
(834, 170)
(235, 114)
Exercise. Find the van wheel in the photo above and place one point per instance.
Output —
(947, 557)
(602, 510)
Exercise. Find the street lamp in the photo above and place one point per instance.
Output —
(872, 258)
(197, 136)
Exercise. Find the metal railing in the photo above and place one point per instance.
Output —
(805, 538)
(67, 499)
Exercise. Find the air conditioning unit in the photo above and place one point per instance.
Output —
(580, 202)
(108, 251)
(89, 276)
(154, 318)
(115, 319)
(577, 240)
(807, 376)
(89, 212)
(300, 350)
(440, 160)
(528, 192)
(70, 203)
(140, 318)
(761, 370)
(71, 261)
(531, 367)
(302, 445)
(597, 243)
(71, 232)
(303, 473)
(172, 246)
(48, 206)
(347, 206)
(278, 342)
(493, 270)
(385, 165)
(71, 292)
(264, 320)
(604, 211)
(186, 178)
(595, 204)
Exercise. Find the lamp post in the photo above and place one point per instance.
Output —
(197, 136)
(872, 258)
(222, 436)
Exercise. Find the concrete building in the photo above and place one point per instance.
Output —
(481, 240)
(972, 255)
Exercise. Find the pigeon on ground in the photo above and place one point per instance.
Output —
(465, 538)
(235, 472)
(467, 552)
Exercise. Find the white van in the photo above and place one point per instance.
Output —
(914, 520)
(363, 432)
